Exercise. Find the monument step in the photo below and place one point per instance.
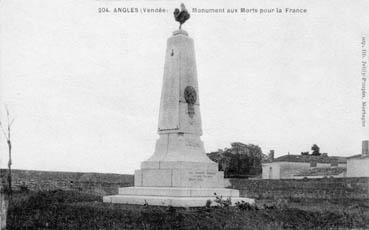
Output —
(170, 201)
(185, 178)
(178, 192)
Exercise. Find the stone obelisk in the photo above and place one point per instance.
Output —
(179, 173)
(179, 159)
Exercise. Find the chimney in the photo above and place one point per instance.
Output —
(365, 148)
(271, 155)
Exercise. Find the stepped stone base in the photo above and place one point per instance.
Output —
(176, 197)
(177, 184)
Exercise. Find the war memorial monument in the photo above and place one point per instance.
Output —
(179, 173)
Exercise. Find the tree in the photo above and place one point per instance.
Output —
(316, 150)
(239, 160)
(215, 156)
(6, 128)
(305, 153)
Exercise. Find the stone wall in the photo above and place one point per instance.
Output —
(106, 184)
(325, 188)
(95, 183)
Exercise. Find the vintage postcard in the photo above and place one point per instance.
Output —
(138, 114)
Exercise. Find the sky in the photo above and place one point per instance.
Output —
(84, 87)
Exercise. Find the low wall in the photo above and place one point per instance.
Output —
(95, 183)
(325, 188)
(106, 184)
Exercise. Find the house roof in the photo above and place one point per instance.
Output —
(309, 158)
(328, 171)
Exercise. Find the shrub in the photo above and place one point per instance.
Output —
(222, 202)
(269, 206)
(282, 204)
(245, 206)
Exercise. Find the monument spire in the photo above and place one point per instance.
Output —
(179, 125)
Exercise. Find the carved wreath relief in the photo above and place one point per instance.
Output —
(190, 96)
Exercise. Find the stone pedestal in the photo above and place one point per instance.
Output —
(178, 173)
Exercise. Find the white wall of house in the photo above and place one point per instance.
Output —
(283, 170)
(289, 169)
(271, 170)
(358, 167)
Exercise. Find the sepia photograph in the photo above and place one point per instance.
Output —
(142, 114)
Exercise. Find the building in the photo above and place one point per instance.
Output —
(314, 173)
(303, 166)
(358, 165)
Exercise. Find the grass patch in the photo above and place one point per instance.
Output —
(73, 210)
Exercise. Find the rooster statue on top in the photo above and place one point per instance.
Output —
(181, 16)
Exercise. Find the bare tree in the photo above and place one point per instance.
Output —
(6, 128)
